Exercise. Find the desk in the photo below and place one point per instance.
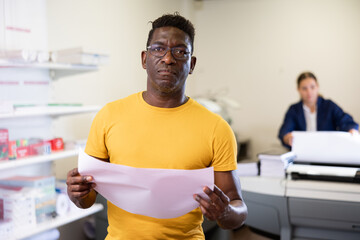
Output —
(303, 209)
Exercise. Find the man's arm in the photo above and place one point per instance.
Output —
(225, 205)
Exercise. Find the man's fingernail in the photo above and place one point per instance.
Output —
(207, 190)
(88, 178)
(196, 197)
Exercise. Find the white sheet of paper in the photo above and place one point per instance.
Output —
(158, 193)
(327, 147)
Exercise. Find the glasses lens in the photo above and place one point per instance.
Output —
(180, 53)
(177, 52)
(157, 51)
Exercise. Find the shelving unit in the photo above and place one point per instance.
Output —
(28, 83)
(61, 220)
(7, 164)
(56, 70)
(52, 111)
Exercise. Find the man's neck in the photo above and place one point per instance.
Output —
(164, 100)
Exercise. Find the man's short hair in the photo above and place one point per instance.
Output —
(173, 20)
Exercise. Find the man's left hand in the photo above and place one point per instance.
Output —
(217, 206)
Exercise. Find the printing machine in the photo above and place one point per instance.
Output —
(349, 174)
(318, 199)
(303, 209)
(324, 201)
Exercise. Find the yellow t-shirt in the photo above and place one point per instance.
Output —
(133, 133)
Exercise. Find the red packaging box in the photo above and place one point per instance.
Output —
(41, 148)
(57, 144)
(12, 150)
(4, 151)
(4, 136)
(22, 152)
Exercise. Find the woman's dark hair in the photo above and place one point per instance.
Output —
(305, 75)
(173, 20)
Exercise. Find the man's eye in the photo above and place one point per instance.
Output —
(158, 49)
(180, 51)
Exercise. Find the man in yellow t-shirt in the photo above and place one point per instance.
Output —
(163, 128)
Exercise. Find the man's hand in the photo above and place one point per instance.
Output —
(217, 206)
(225, 204)
(80, 189)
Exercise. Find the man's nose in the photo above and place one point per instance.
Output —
(168, 58)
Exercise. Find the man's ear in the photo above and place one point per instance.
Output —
(192, 64)
(143, 59)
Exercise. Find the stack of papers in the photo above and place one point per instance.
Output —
(273, 163)
(248, 169)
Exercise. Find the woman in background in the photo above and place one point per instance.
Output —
(313, 113)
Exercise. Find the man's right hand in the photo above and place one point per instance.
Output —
(80, 189)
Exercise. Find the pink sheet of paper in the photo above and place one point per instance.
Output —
(157, 193)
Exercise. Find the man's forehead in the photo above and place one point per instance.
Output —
(172, 35)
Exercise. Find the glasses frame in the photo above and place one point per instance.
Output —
(167, 49)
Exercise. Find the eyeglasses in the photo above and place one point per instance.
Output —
(179, 53)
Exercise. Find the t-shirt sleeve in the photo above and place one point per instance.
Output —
(96, 143)
(224, 147)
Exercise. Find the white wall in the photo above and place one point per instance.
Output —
(254, 49)
(116, 27)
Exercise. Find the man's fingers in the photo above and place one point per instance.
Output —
(207, 207)
(80, 187)
(222, 195)
(215, 206)
(215, 197)
(74, 172)
(76, 180)
(80, 194)
(87, 178)
(79, 180)
(207, 214)
(203, 202)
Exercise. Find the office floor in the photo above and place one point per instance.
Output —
(245, 233)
